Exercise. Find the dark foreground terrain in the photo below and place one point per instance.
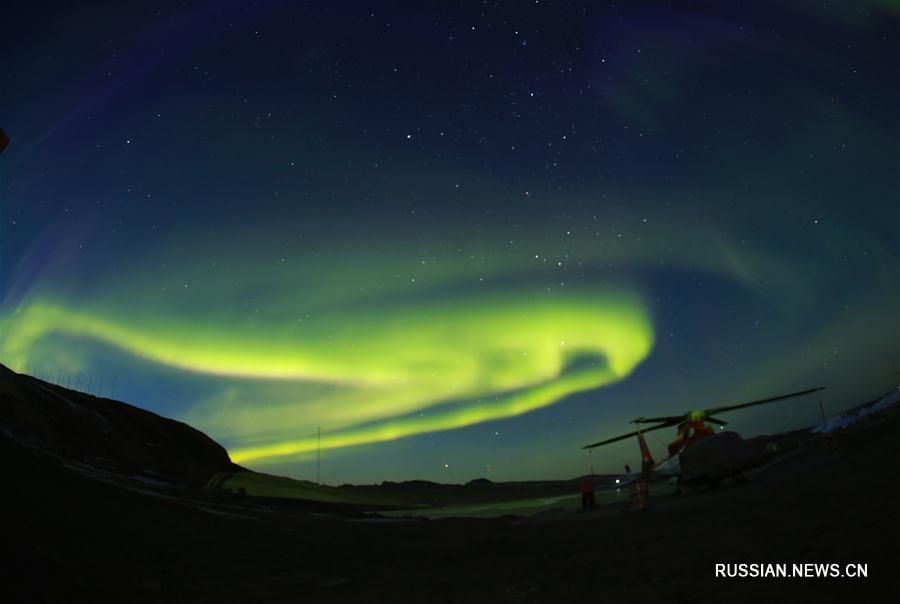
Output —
(76, 535)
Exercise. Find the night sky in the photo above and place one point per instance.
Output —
(461, 239)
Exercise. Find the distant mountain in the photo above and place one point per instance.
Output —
(105, 434)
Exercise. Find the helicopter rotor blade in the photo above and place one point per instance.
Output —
(713, 410)
(624, 436)
(653, 420)
(704, 415)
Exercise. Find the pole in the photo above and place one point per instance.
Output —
(828, 442)
(822, 411)
(318, 452)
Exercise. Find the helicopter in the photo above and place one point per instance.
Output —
(705, 456)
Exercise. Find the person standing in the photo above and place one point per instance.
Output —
(587, 494)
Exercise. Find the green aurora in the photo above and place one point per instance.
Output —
(493, 357)
(467, 342)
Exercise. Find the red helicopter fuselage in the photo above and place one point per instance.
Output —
(688, 432)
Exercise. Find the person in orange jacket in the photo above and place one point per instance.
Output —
(587, 494)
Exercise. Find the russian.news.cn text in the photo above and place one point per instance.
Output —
(804, 570)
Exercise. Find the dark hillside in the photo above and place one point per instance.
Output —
(105, 433)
